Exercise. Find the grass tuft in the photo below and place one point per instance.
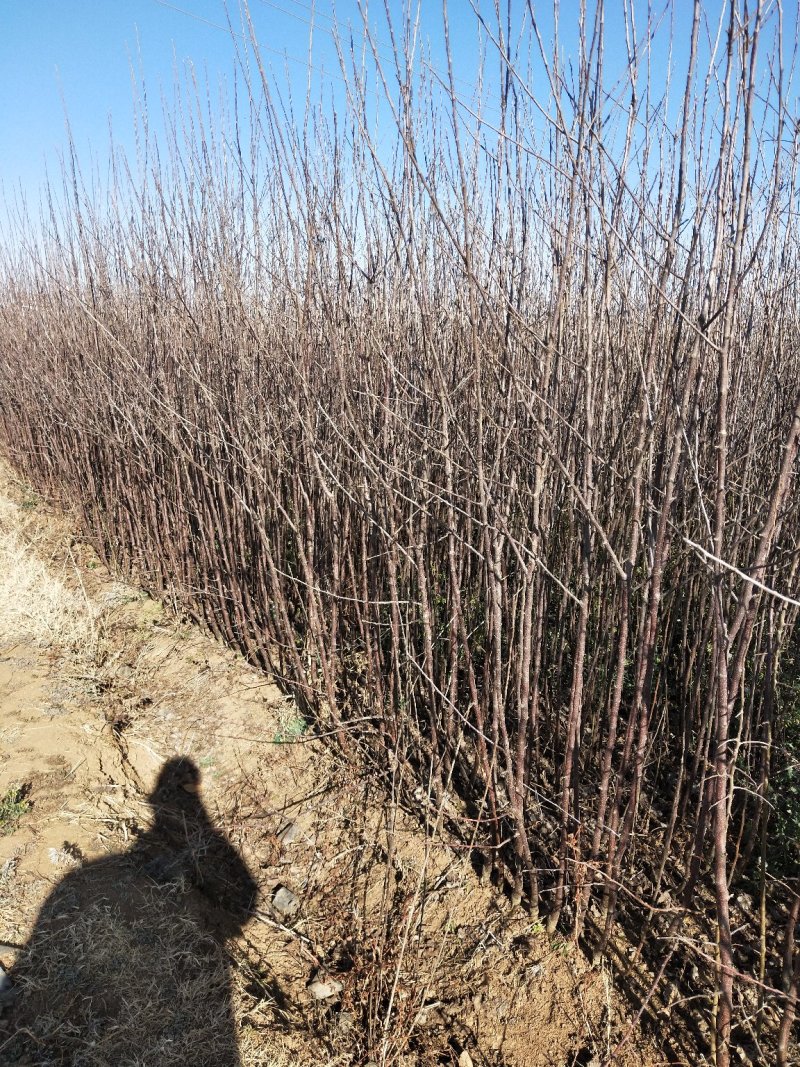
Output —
(13, 805)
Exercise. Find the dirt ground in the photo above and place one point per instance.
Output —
(189, 876)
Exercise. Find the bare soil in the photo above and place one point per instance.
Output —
(123, 920)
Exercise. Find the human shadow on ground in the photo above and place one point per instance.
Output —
(127, 961)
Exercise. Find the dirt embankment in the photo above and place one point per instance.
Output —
(188, 876)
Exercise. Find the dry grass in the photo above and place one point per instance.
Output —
(36, 605)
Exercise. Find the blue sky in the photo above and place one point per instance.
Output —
(75, 58)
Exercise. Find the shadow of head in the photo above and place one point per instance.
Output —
(178, 775)
(175, 798)
(183, 848)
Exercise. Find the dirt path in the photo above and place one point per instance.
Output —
(123, 919)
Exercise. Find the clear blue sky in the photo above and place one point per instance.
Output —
(75, 57)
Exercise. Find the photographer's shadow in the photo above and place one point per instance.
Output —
(127, 961)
